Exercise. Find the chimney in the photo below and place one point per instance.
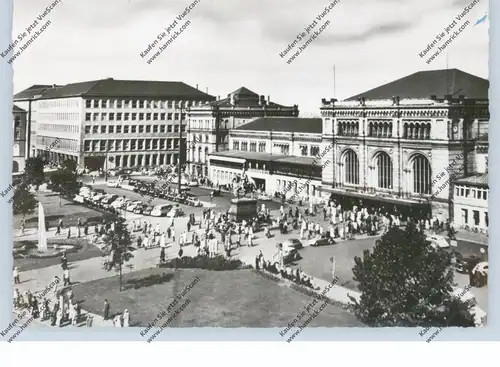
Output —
(433, 97)
(206, 90)
(332, 101)
(268, 99)
(323, 101)
(196, 86)
(232, 99)
(218, 98)
(262, 100)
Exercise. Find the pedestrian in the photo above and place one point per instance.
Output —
(61, 223)
(126, 318)
(58, 230)
(69, 233)
(16, 275)
(66, 277)
(117, 321)
(106, 310)
(86, 229)
(162, 255)
(89, 320)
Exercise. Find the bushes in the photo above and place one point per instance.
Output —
(202, 262)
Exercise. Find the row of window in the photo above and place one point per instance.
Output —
(62, 128)
(17, 128)
(130, 144)
(348, 128)
(421, 171)
(380, 129)
(416, 131)
(133, 116)
(58, 116)
(202, 124)
(252, 147)
(114, 103)
(55, 103)
(476, 217)
(198, 139)
(132, 129)
(471, 193)
(305, 150)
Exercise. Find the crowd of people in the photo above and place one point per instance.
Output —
(278, 268)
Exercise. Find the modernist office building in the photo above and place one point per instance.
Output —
(114, 123)
(19, 139)
(278, 153)
(470, 194)
(209, 124)
(397, 144)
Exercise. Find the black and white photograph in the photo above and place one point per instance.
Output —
(262, 164)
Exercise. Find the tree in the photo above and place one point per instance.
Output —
(63, 181)
(23, 201)
(404, 281)
(33, 171)
(117, 246)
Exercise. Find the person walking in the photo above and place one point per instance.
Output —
(16, 275)
(106, 310)
(66, 277)
(126, 318)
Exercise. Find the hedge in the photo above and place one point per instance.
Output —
(203, 262)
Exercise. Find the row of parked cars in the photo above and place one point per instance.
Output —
(113, 202)
(153, 190)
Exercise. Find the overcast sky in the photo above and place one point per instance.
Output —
(233, 43)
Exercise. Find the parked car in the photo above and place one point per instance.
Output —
(109, 198)
(139, 209)
(264, 197)
(133, 205)
(288, 253)
(118, 203)
(175, 212)
(438, 241)
(293, 243)
(321, 241)
(469, 298)
(147, 210)
(193, 183)
(479, 275)
(465, 264)
(113, 184)
(97, 197)
(161, 210)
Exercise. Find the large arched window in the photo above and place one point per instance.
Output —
(421, 174)
(351, 167)
(384, 170)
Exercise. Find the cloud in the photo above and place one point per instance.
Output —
(384, 29)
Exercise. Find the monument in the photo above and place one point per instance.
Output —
(242, 209)
(42, 237)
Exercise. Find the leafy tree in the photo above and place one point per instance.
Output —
(404, 281)
(117, 246)
(33, 172)
(64, 180)
(23, 201)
